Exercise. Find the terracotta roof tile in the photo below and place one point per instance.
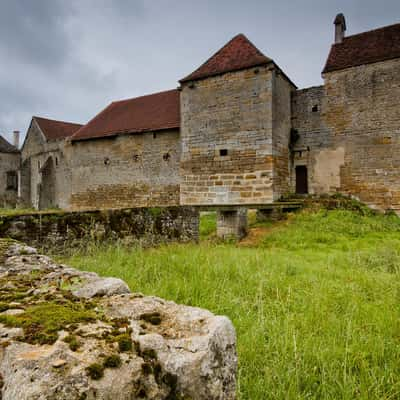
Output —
(153, 112)
(239, 53)
(365, 48)
(7, 147)
(53, 129)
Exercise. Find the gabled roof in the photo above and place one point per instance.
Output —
(53, 129)
(239, 53)
(7, 147)
(365, 48)
(154, 112)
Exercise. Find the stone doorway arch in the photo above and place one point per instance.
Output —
(47, 188)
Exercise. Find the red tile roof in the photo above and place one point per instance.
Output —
(239, 53)
(153, 112)
(365, 48)
(53, 130)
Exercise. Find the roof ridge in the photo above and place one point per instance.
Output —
(57, 120)
(240, 64)
(144, 96)
(370, 31)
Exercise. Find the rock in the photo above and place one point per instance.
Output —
(136, 347)
(58, 363)
(102, 287)
(13, 311)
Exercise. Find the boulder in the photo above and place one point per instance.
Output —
(69, 334)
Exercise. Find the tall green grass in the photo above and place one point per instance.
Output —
(316, 305)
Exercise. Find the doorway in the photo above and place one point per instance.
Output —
(301, 179)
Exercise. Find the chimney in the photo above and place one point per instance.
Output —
(340, 28)
(16, 139)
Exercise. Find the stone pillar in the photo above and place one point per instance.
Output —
(232, 223)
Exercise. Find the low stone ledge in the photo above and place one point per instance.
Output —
(63, 337)
(58, 229)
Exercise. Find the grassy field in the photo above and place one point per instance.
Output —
(315, 300)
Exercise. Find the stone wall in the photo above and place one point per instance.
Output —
(362, 111)
(59, 229)
(38, 154)
(126, 171)
(315, 147)
(351, 141)
(226, 133)
(281, 113)
(9, 162)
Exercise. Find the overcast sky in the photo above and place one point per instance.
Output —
(67, 59)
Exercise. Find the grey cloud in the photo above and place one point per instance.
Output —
(67, 59)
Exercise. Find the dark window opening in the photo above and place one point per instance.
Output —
(301, 179)
(12, 180)
(107, 161)
(166, 156)
(314, 108)
(56, 161)
(154, 135)
(136, 157)
(223, 152)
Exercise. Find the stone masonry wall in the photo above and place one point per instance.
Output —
(351, 144)
(281, 113)
(53, 230)
(362, 110)
(8, 162)
(126, 171)
(315, 147)
(36, 152)
(231, 113)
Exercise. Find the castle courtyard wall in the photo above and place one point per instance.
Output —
(135, 170)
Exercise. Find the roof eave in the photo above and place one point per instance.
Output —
(189, 79)
(122, 133)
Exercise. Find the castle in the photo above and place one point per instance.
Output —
(237, 131)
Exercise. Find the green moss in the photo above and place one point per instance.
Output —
(155, 211)
(124, 343)
(112, 361)
(41, 322)
(73, 342)
(95, 371)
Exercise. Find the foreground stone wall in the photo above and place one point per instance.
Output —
(226, 133)
(150, 225)
(126, 171)
(71, 335)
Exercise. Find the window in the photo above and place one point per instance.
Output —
(107, 161)
(166, 156)
(223, 152)
(314, 108)
(56, 161)
(12, 180)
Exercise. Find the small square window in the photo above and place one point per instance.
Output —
(314, 108)
(223, 152)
